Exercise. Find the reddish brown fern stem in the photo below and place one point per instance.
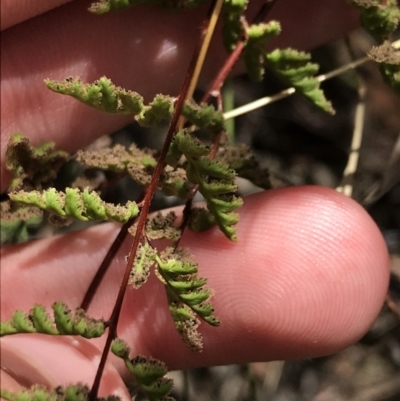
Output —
(105, 264)
(113, 321)
(264, 11)
(234, 56)
(224, 72)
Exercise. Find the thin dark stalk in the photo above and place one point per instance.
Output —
(113, 321)
(185, 217)
(186, 386)
(264, 11)
(224, 72)
(105, 264)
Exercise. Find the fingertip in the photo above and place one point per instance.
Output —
(331, 261)
(337, 262)
(56, 361)
(307, 277)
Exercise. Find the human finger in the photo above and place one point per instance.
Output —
(31, 359)
(14, 12)
(307, 278)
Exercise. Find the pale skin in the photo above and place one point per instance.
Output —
(308, 275)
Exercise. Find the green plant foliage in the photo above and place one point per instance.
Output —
(295, 68)
(139, 165)
(32, 167)
(379, 17)
(161, 108)
(200, 219)
(162, 227)
(389, 59)
(104, 6)
(17, 223)
(215, 181)
(63, 322)
(16, 231)
(241, 159)
(120, 348)
(254, 49)
(173, 181)
(103, 95)
(75, 204)
(233, 29)
(144, 259)
(148, 372)
(174, 155)
(204, 116)
(116, 158)
(187, 297)
(76, 392)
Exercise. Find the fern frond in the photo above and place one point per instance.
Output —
(144, 259)
(116, 158)
(389, 59)
(232, 30)
(160, 227)
(16, 223)
(75, 204)
(32, 167)
(254, 50)
(103, 95)
(161, 108)
(63, 322)
(295, 68)
(380, 18)
(241, 159)
(148, 372)
(215, 181)
(201, 116)
(172, 182)
(140, 165)
(200, 219)
(17, 231)
(187, 297)
(204, 116)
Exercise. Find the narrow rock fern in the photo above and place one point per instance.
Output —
(184, 166)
